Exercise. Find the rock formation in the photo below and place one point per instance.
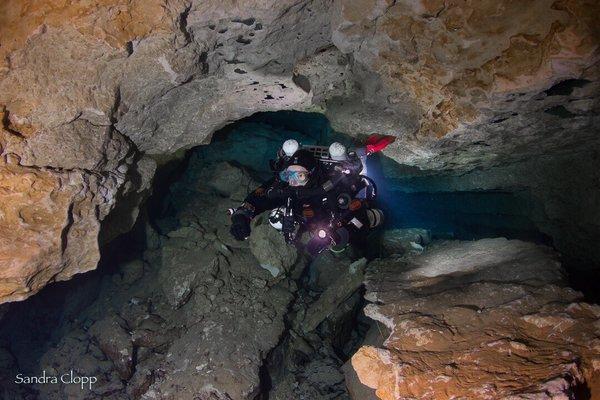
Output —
(196, 316)
(89, 90)
(485, 95)
(487, 319)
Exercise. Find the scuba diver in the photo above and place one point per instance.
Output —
(319, 197)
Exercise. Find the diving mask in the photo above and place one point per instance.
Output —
(294, 177)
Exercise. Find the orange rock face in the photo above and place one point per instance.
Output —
(457, 58)
(480, 320)
(114, 21)
(61, 164)
(44, 215)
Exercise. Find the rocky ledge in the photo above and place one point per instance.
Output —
(483, 320)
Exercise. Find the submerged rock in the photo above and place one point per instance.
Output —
(400, 241)
(486, 319)
(116, 343)
(195, 319)
(329, 301)
(270, 249)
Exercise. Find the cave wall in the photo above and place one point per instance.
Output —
(91, 93)
(559, 195)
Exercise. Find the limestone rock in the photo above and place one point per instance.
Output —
(115, 343)
(327, 268)
(49, 226)
(557, 191)
(333, 296)
(270, 249)
(135, 178)
(246, 61)
(231, 181)
(399, 241)
(132, 272)
(139, 383)
(461, 69)
(465, 314)
(356, 389)
(179, 274)
(320, 380)
(51, 221)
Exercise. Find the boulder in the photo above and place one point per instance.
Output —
(116, 343)
(465, 314)
(400, 241)
(333, 296)
(270, 249)
(231, 181)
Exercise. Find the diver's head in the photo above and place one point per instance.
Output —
(299, 168)
(295, 175)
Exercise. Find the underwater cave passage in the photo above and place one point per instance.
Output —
(179, 304)
(414, 201)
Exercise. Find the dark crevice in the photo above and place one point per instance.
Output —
(302, 82)
(247, 21)
(566, 87)
(183, 24)
(65, 232)
(233, 61)
(115, 112)
(7, 126)
(129, 47)
(242, 40)
(560, 111)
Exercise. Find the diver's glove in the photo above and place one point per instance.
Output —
(240, 227)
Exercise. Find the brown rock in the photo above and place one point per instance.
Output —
(115, 343)
(487, 319)
(453, 58)
(113, 21)
(45, 217)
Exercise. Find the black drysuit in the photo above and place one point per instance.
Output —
(328, 196)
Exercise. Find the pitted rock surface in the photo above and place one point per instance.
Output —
(87, 86)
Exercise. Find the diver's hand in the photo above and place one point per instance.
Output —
(240, 227)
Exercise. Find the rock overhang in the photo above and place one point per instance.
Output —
(85, 89)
